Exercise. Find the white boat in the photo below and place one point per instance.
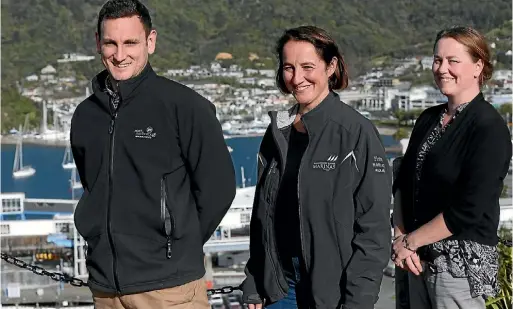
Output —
(18, 169)
(24, 172)
(67, 161)
(239, 214)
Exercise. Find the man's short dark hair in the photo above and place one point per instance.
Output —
(113, 9)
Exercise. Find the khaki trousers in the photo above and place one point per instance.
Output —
(192, 295)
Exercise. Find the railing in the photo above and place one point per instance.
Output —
(25, 279)
(224, 278)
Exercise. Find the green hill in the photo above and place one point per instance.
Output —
(38, 32)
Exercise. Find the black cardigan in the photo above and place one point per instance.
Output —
(462, 175)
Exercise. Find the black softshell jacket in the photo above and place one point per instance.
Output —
(157, 178)
(344, 188)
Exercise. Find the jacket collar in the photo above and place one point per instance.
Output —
(479, 98)
(126, 88)
(314, 119)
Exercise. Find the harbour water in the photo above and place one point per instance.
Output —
(51, 181)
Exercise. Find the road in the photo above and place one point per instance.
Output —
(83, 295)
(387, 294)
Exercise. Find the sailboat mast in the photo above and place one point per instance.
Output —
(20, 148)
(242, 176)
(21, 153)
(66, 155)
(24, 129)
(16, 156)
(72, 183)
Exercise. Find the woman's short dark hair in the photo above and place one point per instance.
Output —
(325, 47)
(476, 46)
(114, 9)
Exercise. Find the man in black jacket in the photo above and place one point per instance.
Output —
(156, 172)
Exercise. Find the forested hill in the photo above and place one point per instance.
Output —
(37, 32)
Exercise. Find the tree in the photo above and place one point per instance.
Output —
(401, 133)
(505, 110)
(399, 115)
(505, 189)
(504, 299)
(15, 107)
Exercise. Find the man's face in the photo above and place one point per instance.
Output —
(124, 46)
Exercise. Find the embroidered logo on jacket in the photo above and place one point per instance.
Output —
(327, 165)
(351, 155)
(379, 164)
(147, 134)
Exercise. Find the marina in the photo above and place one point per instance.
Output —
(37, 223)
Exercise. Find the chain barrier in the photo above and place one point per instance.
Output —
(61, 277)
(223, 290)
(43, 272)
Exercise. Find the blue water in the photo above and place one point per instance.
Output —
(52, 181)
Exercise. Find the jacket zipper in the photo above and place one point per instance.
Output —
(269, 175)
(272, 170)
(112, 133)
(273, 263)
(167, 218)
(299, 198)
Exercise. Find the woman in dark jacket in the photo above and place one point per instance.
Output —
(448, 188)
(320, 233)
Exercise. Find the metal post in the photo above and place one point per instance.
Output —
(75, 251)
(209, 272)
(79, 257)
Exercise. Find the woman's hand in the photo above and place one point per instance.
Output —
(402, 248)
(404, 256)
(411, 264)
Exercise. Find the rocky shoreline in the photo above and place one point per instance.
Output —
(11, 140)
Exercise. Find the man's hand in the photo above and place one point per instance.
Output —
(254, 306)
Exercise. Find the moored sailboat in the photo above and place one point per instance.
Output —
(18, 169)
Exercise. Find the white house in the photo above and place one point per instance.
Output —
(426, 63)
(48, 70)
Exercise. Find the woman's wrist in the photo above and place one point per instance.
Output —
(410, 242)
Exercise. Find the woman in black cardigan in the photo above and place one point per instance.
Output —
(447, 191)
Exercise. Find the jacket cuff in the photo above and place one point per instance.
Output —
(252, 299)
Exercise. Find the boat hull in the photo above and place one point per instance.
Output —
(25, 172)
(68, 166)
